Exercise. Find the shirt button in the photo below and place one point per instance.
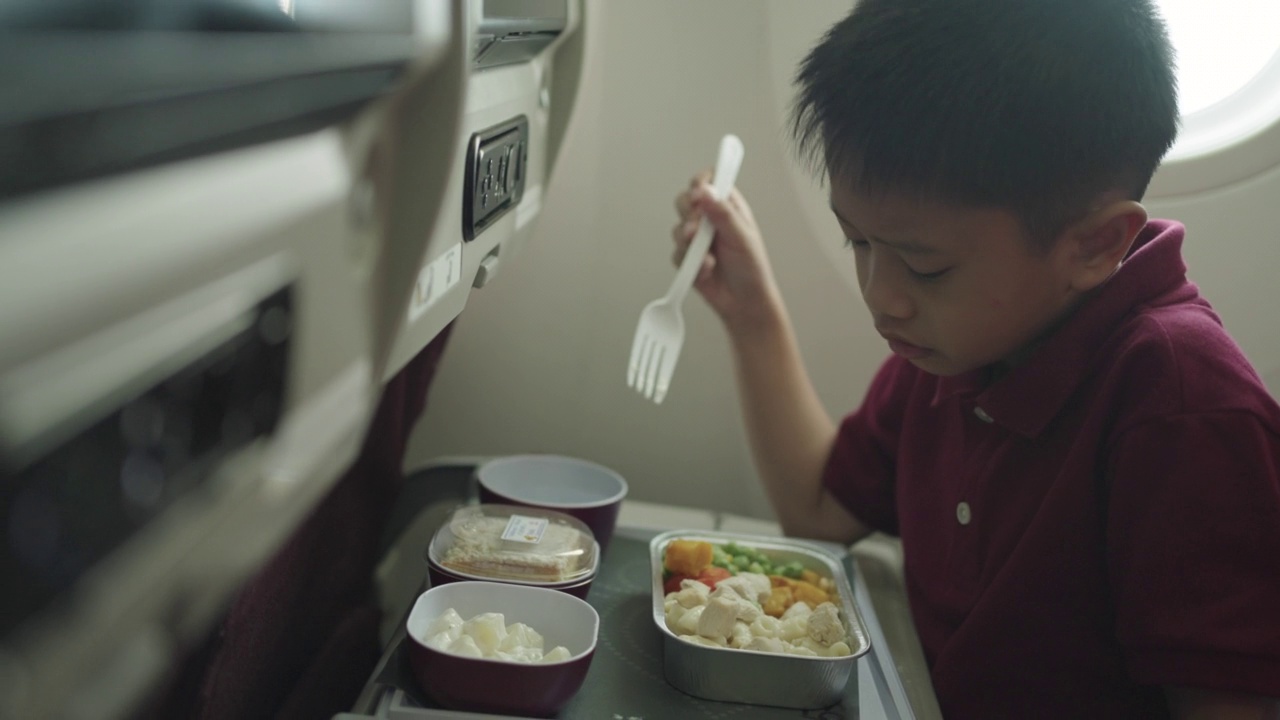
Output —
(982, 415)
(963, 514)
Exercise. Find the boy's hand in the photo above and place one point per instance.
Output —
(735, 278)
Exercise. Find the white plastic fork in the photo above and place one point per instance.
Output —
(660, 334)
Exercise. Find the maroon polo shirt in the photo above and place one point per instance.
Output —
(1099, 522)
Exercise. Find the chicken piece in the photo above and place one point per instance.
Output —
(747, 611)
(687, 557)
(780, 598)
(692, 593)
(810, 577)
(824, 625)
(718, 619)
(752, 587)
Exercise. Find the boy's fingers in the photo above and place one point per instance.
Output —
(723, 215)
(684, 203)
(739, 203)
(682, 233)
(708, 267)
(706, 274)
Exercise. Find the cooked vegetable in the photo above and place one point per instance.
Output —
(709, 564)
(687, 557)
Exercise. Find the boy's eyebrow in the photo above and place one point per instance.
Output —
(905, 246)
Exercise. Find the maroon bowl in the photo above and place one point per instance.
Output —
(588, 491)
(501, 686)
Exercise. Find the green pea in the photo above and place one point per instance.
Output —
(755, 568)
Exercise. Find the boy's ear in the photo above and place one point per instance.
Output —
(1099, 242)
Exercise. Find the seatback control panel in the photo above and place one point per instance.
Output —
(495, 174)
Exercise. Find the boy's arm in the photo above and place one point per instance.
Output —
(790, 433)
(1197, 704)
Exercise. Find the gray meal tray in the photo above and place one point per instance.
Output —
(626, 678)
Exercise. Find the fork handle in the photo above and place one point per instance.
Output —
(727, 164)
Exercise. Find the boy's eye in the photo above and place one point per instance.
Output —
(928, 276)
(862, 244)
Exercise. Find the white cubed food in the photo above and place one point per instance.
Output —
(718, 619)
(442, 640)
(448, 621)
(520, 635)
(558, 653)
(465, 646)
(487, 629)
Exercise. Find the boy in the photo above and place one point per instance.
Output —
(1083, 468)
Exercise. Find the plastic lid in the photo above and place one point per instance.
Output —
(508, 542)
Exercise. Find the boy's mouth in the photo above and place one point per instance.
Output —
(905, 349)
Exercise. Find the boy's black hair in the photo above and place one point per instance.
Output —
(1033, 106)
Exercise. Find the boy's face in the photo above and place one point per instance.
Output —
(952, 288)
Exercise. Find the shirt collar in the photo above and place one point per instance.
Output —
(1029, 396)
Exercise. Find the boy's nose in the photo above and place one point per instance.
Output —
(883, 292)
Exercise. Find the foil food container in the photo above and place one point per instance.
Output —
(748, 676)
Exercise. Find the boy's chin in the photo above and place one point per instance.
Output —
(939, 365)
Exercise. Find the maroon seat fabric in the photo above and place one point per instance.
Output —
(301, 637)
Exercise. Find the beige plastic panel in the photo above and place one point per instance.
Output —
(544, 90)
(139, 260)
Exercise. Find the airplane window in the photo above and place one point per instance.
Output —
(1228, 70)
(1220, 49)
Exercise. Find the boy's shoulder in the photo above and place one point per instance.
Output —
(1175, 356)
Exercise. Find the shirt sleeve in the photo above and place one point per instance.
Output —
(861, 468)
(1194, 551)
